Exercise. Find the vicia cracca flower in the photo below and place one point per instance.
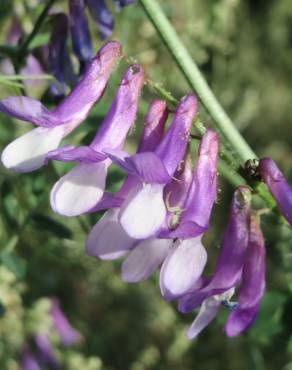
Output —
(28, 152)
(278, 186)
(143, 212)
(83, 187)
(241, 262)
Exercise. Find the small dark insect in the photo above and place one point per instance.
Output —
(135, 69)
(252, 169)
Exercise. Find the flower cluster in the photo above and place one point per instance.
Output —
(160, 214)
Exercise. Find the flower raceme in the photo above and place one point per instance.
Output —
(143, 212)
(82, 188)
(28, 152)
(241, 262)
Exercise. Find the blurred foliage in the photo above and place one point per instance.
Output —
(244, 47)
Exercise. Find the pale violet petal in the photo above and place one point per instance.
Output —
(144, 259)
(182, 267)
(207, 313)
(107, 239)
(80, 189)
(144, 211)
(27, 153)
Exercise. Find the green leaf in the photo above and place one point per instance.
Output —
(14, 263)
(50, 225)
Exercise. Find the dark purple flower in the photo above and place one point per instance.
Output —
(28, 361)
(68, 335)
(278, 186)
(45, 352)
(28, 152)
(122, 3)
(81, 40)
(107, 239)
(103, 17)
(83, 187)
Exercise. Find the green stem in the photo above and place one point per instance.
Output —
(197, 82)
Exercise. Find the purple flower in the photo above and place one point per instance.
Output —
(45, 352)
(143, 212)
(107, 239)
(278, 186)
(83, 187)
(179, 247)
(241, 262)
(102, 15)
(28, 152)
(28, 360)
(122, 3)
(68, 335)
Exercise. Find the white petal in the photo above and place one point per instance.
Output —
(107, 239)
(208, 311)
(27, 153)
(182, 267)
(143, 213)
(145, 259)
(80, 189)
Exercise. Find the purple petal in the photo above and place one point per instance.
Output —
(80, 189)
(143, 212)
(79, 31)
(121, 3)
(207, 313)
(122, 113)
(81, 154)
(45, 350)
(172, 148)
(28, 152)
(278, 186)
(107, 239)
(28, 110)
(28, 361)
(144, 259)
(102, 16)
(253, 283)
(182, 268)
(231, 255)
(146, 166)
(108, 201)
(153, 128)
(68, 335)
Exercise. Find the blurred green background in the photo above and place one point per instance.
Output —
(244, 48)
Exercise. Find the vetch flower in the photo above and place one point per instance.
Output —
(107, 239)
(28, 360)
(178, 247)
(143, 212)
(278, 186)
(82, 188)
(28, 152)
(241, 262)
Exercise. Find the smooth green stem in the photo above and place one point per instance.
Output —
(197, 81)
(23, 48)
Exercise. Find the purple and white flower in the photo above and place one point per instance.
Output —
(83, 187)
(28, 152)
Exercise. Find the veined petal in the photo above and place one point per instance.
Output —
(143, 212)
(278, 186)
(144, 259)
(102, 16)
(80, 189)
(28, 152)
(27, 109)
(81, 154)
(122, 113)
(207, 313)
(107, 239)
(172, 148)
(182, 268)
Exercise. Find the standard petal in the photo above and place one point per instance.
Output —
(278, 186)
(80, 189)
(28, 152)
(107, 239)
(182, 268)
(172, 148)
(144, 259)
(27, 109)
(143, 212)
(81, 154)
(207, 313)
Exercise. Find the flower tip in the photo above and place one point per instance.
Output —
(269, 169)
(189, 102)
(242, 196)
(111, 50)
